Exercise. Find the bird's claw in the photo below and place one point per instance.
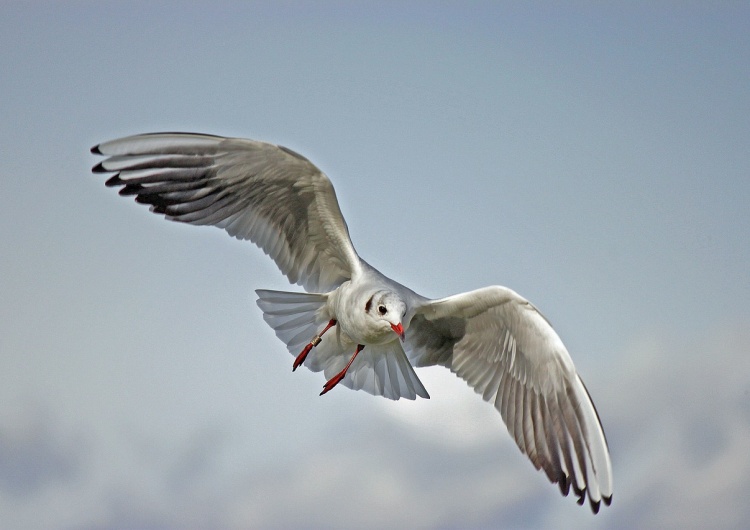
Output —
(317, 339)
(333, 381)
(301, 357)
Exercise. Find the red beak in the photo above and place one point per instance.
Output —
(399, 330)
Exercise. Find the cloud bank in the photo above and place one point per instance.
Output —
(677, 416)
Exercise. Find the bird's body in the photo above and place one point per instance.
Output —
(359, 327)
(347, 300)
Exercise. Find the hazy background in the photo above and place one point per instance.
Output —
(596, 159)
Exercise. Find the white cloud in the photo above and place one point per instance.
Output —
(454, 416)
(677, 414)
(680, 431)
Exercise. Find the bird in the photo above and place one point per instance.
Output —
(362, 329)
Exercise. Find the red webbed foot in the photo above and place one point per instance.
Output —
(314, 342)
(336, 379)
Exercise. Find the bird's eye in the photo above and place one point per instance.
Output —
(382, 310)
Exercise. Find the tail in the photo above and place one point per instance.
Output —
(295, 317)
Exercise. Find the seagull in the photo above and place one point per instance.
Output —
(364, 330)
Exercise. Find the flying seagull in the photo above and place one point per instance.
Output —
(362, 329)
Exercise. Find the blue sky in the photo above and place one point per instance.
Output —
(594, 158)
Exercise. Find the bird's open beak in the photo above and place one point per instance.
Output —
(399, 330)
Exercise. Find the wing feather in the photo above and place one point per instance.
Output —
(507, 351)
(268, 194)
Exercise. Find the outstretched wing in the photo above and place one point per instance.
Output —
(506, 350)
(268, 194)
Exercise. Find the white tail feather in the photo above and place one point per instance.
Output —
(296, 317)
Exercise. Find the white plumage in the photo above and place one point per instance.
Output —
(360, 328)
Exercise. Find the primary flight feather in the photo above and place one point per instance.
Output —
(362, 329)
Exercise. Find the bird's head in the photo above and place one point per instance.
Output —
(386, 310)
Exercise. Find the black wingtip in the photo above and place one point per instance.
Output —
(607, 500)
(581, 493)
(95, 150)
(132, 189)
(113, 181)
(564, 483)
(99, 168)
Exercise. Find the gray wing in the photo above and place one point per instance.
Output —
(507, 351)
(268, 194)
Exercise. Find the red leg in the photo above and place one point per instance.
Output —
(314, 342)
(336, 379)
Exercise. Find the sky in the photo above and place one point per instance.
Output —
(592, 157)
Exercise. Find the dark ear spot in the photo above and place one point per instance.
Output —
(368, 305)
